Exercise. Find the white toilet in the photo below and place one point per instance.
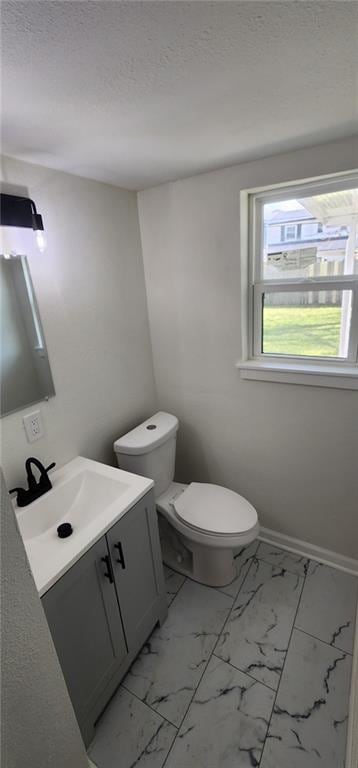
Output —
(201, 524)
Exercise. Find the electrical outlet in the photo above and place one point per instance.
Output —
(34, 427)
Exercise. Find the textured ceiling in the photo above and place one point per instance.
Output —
(141, 92)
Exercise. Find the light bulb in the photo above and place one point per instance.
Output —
(41, 240)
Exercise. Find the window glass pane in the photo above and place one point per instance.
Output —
(313, 236)
(310, 323)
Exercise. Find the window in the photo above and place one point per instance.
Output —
(290, 232)
(303, 295)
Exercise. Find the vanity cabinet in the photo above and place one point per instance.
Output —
(85, 623)
(130, 544)
(102, 610)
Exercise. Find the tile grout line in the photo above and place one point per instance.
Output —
(319, 639)
(208, 660)
(170, 749)
(165, 719)
(149, 706)
(212, 653)
(122, 685)
(262, 560)
(234, 601)
(274, 565)
(237, 669)
(197, 686)
(284, 663)
(178, 590)
(256, 556)
(190, 702)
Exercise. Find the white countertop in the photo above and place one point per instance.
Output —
(49, 556)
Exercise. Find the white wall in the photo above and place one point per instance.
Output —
(292, 450)
(38, 725)
(90, 290)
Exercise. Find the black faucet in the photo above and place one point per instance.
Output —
(35, 488)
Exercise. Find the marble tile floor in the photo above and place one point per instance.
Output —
(253, 674)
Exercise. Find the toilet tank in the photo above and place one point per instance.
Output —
(149, 450)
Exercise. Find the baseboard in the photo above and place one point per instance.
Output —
(352, 733)
(306, 549)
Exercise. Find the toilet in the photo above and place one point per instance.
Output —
(201, 524)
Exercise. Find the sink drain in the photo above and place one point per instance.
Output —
(64, 530)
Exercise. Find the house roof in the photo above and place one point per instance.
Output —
(286, 217)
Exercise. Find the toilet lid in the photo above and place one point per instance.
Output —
(215, 509)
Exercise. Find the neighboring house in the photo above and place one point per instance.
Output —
(297, 243)
(298, 229)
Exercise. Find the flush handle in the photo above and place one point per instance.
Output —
(108, 574)
(120, 558)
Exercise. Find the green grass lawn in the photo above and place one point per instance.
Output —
(302, 330)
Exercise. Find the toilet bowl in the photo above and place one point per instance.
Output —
(201, 524)
(212, 522)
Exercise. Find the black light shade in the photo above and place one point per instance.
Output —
(19, 212)
(37, 222)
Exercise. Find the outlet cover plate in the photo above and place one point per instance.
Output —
(34, 427)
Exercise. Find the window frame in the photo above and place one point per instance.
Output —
(256, 286)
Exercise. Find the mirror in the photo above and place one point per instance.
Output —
(25, 370)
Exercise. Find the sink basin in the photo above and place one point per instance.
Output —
(77, 500)
(89, 495)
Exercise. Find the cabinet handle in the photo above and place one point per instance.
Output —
(108, 574)
(120, 558)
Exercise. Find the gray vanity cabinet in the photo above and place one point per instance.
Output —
(103, 609)
(135, 553)
(86, 627)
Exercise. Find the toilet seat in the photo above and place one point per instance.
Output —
(215, 510)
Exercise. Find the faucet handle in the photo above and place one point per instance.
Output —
(21, 496)
(51, 466)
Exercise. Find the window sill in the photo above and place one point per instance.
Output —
(298, 373)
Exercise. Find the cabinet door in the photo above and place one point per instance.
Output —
(86, 627)
(138, 572)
